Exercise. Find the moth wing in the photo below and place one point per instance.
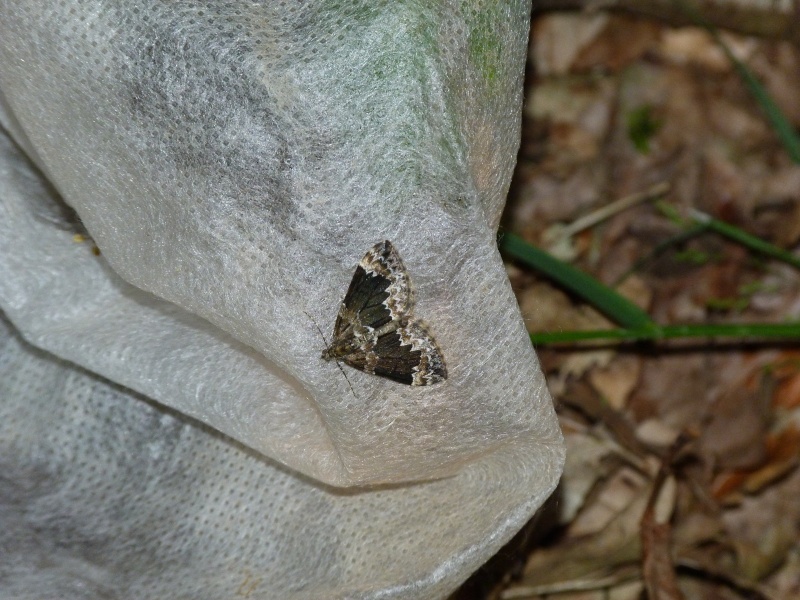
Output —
(409, 355)
(379, 291)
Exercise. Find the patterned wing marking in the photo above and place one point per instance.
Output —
(374, 330)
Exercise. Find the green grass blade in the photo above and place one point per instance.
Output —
(783, 128)
(751, 331)
(745, 239)
(617, 308)
(781, 125)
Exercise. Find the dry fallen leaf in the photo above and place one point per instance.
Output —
(613, 106)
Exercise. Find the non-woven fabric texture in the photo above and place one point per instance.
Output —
(233, 162)
(106, 495)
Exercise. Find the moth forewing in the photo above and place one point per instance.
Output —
(375, 331)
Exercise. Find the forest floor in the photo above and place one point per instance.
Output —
(682, 475)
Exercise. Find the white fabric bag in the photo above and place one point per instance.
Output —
(233, 162)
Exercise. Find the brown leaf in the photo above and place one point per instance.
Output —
(658, 569)
(560, 38)
(616, 381)
(583, 470)
(589, 403)
(674, 388)
(786, 371)
(621, 41)
(782, 455)
(614, 546)
(743, 407)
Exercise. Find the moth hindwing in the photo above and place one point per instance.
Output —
(375, 330)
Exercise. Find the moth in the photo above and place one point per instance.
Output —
(375, 330)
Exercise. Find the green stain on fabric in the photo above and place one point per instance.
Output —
(484, 44)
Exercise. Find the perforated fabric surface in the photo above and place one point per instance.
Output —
(106, 495)
(233, 162)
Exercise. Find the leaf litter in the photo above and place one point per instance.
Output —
(682, 476)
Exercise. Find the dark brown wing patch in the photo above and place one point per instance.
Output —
(374, 330)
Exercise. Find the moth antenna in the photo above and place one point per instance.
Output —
(322, 335)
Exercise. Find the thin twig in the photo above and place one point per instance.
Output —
(601, 214)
